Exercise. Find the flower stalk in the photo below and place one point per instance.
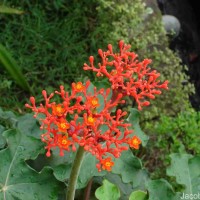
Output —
(74, 173)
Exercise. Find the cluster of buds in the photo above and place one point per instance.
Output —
(89, 117)
(127, 75)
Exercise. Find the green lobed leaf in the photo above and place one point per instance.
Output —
(138, 195)
(26, 124)
(29, 125)
(88, 169)
(125, 188)
(10, 65)
(131, 170)
(17, 179)
(186, 169)
(62, 172)
(107, 191)
(61, 165)
(161, 189)
(9, 118)
(133, 118)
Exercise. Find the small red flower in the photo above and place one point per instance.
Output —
(107, 164)
(78, 87)
(63, 142)
(91, 120)
(58, 110)
(63, 125)
(94, 102)
(134, 142)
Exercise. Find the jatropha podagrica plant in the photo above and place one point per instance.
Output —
(91, 119)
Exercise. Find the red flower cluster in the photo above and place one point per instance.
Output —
(81, 119)
(89, 118)
(127, 75)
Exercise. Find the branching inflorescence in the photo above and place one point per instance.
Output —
(90, 118)
(128, 75)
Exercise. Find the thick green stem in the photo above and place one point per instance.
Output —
(74, 174)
